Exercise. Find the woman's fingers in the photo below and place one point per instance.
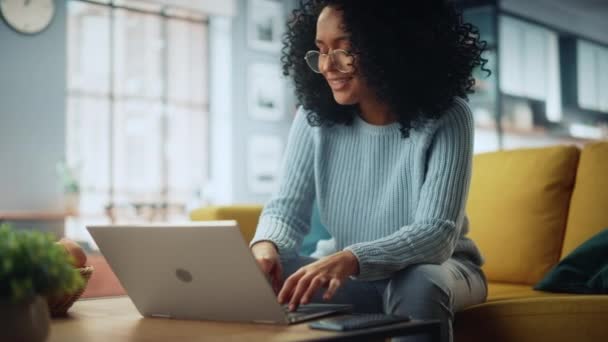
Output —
(273, 270)
(300, 289)
(334, 284)
(266, 264)
(315, 284)
(289, 286)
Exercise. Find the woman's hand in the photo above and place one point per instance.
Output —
(327, 272)
(267, 257)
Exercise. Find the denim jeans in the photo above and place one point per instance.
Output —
(422, 291)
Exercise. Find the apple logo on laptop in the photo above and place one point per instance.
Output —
(183, 275)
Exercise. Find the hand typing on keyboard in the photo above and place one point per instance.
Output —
(329, 272)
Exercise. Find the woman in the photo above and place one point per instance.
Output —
(383, 142)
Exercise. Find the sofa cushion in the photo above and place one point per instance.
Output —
(317, 232)
(502, 291)
(245, 215)
(518, 206)
(585, 270)
(103, 282)
(589, 205)
(518, 313)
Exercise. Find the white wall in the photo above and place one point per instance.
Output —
(231, 124)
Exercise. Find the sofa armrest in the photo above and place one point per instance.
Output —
(246, 216)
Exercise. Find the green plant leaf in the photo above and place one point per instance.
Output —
(31, 263)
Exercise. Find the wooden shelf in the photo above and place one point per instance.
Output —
(534, 131)
(33, 216)
(486, 127)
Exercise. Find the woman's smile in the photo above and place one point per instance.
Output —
(339, 83)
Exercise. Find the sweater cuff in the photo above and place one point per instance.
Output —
(367, 271)
(273, 229)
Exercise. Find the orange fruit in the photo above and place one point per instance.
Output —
(73, 249)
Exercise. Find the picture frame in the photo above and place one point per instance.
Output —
(265, 25)
(265, 92)
(264, 156)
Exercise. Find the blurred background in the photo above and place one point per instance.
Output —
(140, 111)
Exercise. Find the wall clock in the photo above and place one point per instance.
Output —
(28, 16)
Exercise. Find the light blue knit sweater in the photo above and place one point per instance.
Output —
(391, 201)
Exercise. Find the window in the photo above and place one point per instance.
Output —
(592, 71)
(529, 63)
(137, 108)
(483, 102)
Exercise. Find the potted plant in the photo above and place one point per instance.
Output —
(71, 187)
(32, 267)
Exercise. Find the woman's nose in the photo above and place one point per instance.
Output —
(325, 64)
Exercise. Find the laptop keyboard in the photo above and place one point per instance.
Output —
(302, 309)
(306, 311)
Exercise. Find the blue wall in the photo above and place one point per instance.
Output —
(32, 115)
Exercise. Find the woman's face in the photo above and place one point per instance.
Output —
(347, 88)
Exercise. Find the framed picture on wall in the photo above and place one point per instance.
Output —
(263, 163)
(265, 21)
(265, 92)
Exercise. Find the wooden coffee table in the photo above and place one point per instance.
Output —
(116, 320)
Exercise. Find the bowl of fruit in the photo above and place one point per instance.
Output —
(60, 304)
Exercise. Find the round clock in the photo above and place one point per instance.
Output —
(28, 16)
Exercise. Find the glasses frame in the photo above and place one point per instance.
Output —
(331, 59)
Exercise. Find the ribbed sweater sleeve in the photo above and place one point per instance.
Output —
(285, 219)
(432, 236)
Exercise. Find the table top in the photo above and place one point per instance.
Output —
(116, 319)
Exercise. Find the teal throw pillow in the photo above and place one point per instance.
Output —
(317, 232)
(585, 270)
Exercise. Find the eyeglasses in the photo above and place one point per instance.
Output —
(342, 60)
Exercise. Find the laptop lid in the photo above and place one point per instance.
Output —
(201, 270)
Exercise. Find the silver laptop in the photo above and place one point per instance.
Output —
(199, 270)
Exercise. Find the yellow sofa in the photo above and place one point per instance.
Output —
(528, 209)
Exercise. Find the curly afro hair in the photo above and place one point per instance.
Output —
(415, 55)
